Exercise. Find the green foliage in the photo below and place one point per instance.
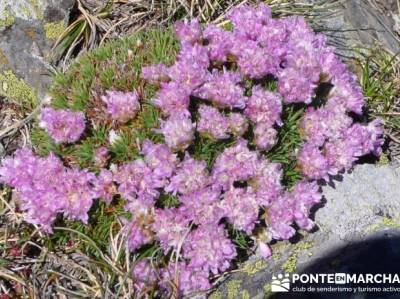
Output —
(380, 73)
(43, 143)
(168, 201)
(289, 140)
(114, 66)
(98, 229)
(208, 149)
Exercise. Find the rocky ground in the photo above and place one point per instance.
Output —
(358, 230)
(361, 209)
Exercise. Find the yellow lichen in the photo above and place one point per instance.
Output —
(385, 222)
(8, 19)
(37, 9)
(215, 295)
(3, 58)
(253, 268)
(383, 159)
(233, 288)
(54, 30)
(26, 11)
(278, 248)
(290, 265)
(245, 294)
(267, 290)
(13, 87)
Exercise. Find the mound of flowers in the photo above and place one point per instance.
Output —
(228, 86)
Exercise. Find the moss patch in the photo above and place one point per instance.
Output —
(13, 87)
(54, 30)
(8, 20)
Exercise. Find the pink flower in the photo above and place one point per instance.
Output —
(122, 106)
(62, 125)
(178, 131)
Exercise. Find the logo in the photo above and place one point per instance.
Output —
(340, 278)
(280, 283)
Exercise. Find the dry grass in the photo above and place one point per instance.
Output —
(98, 21)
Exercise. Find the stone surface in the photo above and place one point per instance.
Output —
(362, 23)
(359, 213)
(26, 38)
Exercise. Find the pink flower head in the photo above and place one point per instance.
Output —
(190, 69)
(104, 186)
(264, 107)
(155, 73)
(138, 235)
(178, 131)
(209, 249)
(170, 227)
(187, 279)
(188, 31)
(173, 98)
(191, 175)
(253, 60)
(220, 42)
(212, 123)
(265, 137)
(305, 195)
(312, 163)
(280, 218)
(267, 182)
(144, 275)
(236, 163)
(160, 159)
(62, 125)
(250, 21)
(238, 124)
(329, 122)
(203, 206)
(222, 90)
(241, 208)
(136, 180)
(122, 106)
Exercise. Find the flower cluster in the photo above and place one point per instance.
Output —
(44, 188)
(220, 88)
(334, 142)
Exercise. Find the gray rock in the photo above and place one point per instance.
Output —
(360, 23)
(27, 33)
(359, 212)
